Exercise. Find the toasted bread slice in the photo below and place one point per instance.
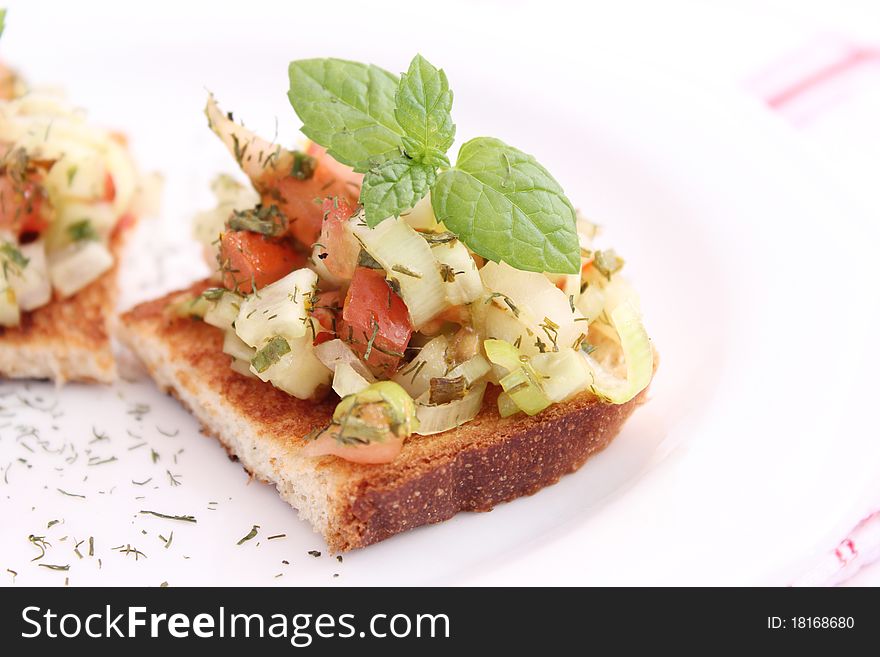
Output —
(67, 339)
(472, 468)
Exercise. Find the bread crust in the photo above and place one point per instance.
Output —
(474, 467)
(67, 339)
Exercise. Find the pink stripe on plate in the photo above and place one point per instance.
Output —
(811, 79)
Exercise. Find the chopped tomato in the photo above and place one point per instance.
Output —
(248, 258)
(340, 247)
(327, 308)
(375, 452)
(455, 314)
(375, 321)
(344, 173)
(300, 199)
(109, 188)
(321, 337)
(124, 222)
(21, 206)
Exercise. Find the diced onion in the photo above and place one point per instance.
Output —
(224, 311)
(472, 369)
(619, 291)
(236, 347)
(31, 283)
(298, 372)
(334, 353)
(430, 363)
(422, 216)
(347, 381)
(10, 315)
(591, 302)
(74, 267)
(637, 353)
(406, 258)
(563, 374)
(77, 178)
(242, 367)
(277, 309)
(443, 417)
(101, 218)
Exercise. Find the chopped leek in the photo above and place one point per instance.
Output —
(430, 362)
(524, 388)
(543, 310)
(443, 417)
(619, 291)
(372, 413)
(446, 389)
(563, 374)
(506, 406)
(277, 309)
(520, 381)
(503, 354)
(236, 347)
(223, 312)
(637, 352)
(459, 272)
(407, 259)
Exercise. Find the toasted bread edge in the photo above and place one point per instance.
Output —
(472, 468)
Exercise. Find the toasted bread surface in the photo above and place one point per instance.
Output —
(473, 467)
(67, 339)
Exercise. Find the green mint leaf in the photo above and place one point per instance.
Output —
(505, 206)
(423, 104)
(2, 20)
(348, 108)
(394, 187)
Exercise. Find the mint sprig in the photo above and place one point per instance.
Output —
(348, 108)
(498, 200)
(505, 206)
(423, 105)
(394, 187)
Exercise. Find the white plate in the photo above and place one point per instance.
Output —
(755, 279)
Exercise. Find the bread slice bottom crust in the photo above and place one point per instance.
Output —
(67, 339)
(474, 467)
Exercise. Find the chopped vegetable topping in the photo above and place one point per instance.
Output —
(375, 322)
(447, 279)
(269, 354)
(248, 259)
